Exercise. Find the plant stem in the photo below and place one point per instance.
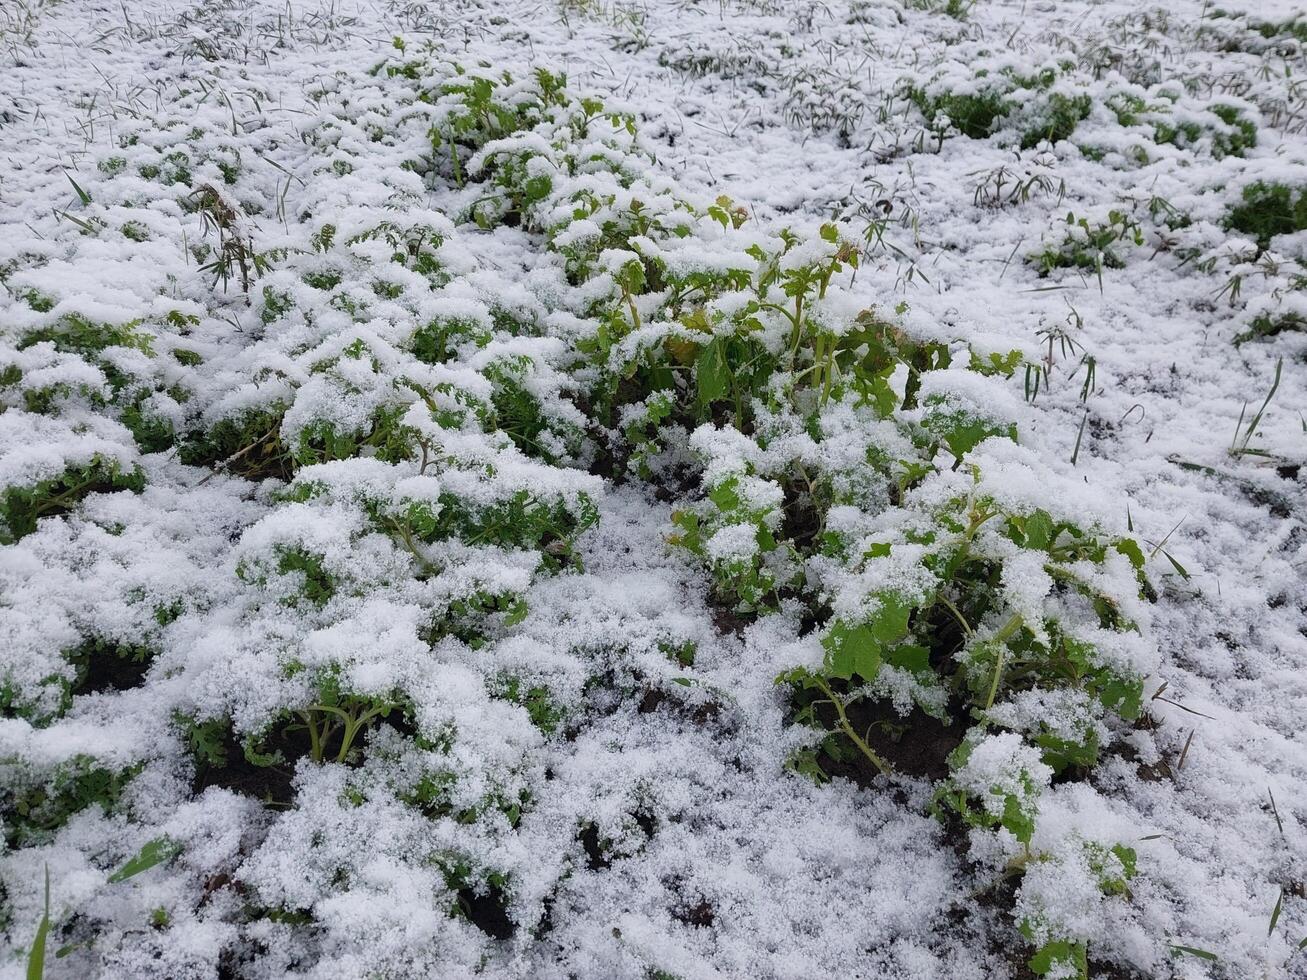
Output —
(630, 303)
(847, 728)
(315, 738)
(962, 620)
(1005, 633)
(974, 525)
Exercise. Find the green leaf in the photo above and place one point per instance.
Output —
(155, 852)
(1180, 569)
(1018, 821)
(538, 188)
(884, 398)
(1060, 952)
(909, 657)
(84, 197)
(261, 759)
(852, 651)
(890, 623)
(995, 363)
(875, 390)
(1060, 753)
(1130, 548)
(1129, 859)
(689, 537)
(1122, 695)
(962, 431)
(712, 373)
(516, 612)
(724, 495)
(1039, 530)
(1202, 954)
(36, 958)
(965, 436)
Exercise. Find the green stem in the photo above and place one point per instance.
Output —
(406, 538)
(830, 373)
(315, 739)
(453, 156)
(68, 496)
(797, 320)
(957, 614)
(352, 727)
(347, 738)
(847, 728)
(819, 361)
(630, 304)
(976, 522)
(1005, 633)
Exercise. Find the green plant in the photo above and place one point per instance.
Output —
(1239, 445)
(1036, 103)
(36, 956)
(307, 578)
(348, 716)
(736, 537)
(235, 252)
(21, 507)
(153, 853)
(1172, 121)
(248, 444)
(1091, 247)
(1107, 868)
(957, 9)
(36, 808)
(1268, 209)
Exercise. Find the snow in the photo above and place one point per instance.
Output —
(638, 808)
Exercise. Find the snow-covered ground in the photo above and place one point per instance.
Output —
(580, 762)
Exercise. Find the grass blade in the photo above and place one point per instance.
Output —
(36, 958)
(84, 197)
(1075, 453)
(1257, 419)
(155, 852)
(1202, 954)
(1275, 810)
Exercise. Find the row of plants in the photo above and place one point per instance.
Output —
(835, 458)
(427, 439)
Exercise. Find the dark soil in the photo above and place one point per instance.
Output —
(108, 672)
(701, 915)
(488, 912)
(727, 621)
(707, 713)
(269, 784)
(916, 745)
(596, 859)
(598, 856)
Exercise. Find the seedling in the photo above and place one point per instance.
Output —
(1239, 445)
(1267, 210)
(1004, 186)
(36, 956)
(235, 251)
(1091, 247)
